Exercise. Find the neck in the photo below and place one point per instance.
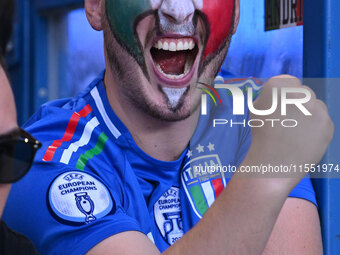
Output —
(159, 139)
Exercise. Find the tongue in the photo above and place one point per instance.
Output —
(171, 62)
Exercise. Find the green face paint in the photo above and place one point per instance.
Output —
(123, 16)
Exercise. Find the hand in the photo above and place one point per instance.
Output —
(304, 144)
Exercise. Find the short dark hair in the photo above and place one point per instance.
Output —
(6, 20)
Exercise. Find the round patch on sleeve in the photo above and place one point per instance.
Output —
(79, 198)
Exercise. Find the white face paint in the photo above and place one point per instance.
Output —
(180, 9)
(175, 4)
(174, 95)
(155, 4)
(198, 4)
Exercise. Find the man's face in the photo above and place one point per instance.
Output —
(173, 44)
(8, 123)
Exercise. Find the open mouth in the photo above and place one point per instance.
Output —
(174, 59)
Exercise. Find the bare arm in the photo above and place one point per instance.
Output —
(247, 222)
(297, 230)
(242, 218)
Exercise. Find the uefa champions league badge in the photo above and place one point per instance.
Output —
(167, 212)
(79, 198)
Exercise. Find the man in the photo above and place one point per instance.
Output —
(115, 174)
(7, 107)
(15, 154)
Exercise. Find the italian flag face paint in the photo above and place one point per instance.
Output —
(220, 15)
(124, 15)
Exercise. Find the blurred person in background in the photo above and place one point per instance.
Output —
(17, 147)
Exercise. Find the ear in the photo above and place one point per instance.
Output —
(237, 15)
(94, 13)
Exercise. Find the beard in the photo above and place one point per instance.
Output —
(174, 104)
(130, 77)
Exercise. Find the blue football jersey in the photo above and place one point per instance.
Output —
(90, 180)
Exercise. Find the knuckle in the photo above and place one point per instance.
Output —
(290, 81)
(332, 131)
(331, 127)
(282, 81)
(309, 90)
(318, 108)
(322, 105)
(328, 127)
(329, 135)
(285, 76)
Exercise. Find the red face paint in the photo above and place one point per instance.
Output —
(220, 15)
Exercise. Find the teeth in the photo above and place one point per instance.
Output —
(191, 45)
(172, 47)
(180, 46)
(165, 46)
(176, 77)
(175, 44)
(159, 45)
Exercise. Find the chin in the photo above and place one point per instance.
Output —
(172, 63)
(170, 104)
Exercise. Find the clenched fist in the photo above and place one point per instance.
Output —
(305, 142)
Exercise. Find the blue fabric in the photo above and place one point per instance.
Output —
(154, 197)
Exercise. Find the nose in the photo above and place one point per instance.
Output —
(177, 11)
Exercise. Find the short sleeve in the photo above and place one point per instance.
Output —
(67, 211)
(305, 190)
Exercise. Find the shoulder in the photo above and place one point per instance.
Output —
(54, 114)
(55, 203)
(55, 200)
(80, 182)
